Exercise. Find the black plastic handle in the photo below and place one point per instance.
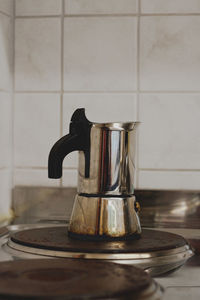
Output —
(77, 140)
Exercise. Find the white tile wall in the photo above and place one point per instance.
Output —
(38, 7)
(170, 6)
(34, 177)
(169, 132)
(100, 54)
(101, 107)
(6, 82)
(5, 130)
(85, 7)
(6, 71)
(169, 180)
(36, 128)
(6, 6)
(169, 51)
(70, 178)
(37, 54)
(121, 60)
(5, 194)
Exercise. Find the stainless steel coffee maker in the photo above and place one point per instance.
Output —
(105, 206)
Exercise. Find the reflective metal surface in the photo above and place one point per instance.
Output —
(173, 255)
(112, 149)
(113, 217)
(155, 263)
(169, 208)
(111, 173)
(104, 207)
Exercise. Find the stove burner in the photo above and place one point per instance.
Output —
(73, 279)
(156, 251)
(56, 238)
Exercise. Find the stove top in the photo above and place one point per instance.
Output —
(74, 279)
(38, 205)
(156, 252)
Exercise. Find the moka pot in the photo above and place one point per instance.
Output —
(105, 206)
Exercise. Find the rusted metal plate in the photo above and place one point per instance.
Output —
(56, 238)
(70, 279)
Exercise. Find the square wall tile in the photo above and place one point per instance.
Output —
(5, 129)
(170, 6)
(34, 177)
(169, 58)
(6, 53)
(169, 180)
(6, 6)
(85, 7)
(5, 194)
(70, 178)
(38, 54)
(99, 108)
(38, 7)
(36, 128)
(169, 132)
(100, 54)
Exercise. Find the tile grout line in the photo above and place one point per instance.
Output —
(39, 16)
(30, 168)
(72, 92)
(37, 92)
(106, 15)
(105, 92)
(6, 14)
(77, 16)
(37, 168)
(168, 170)
(4, 168)
(74, 168)
(62, 75)
(13, 102)
(4, 91)
(138, 93)
(170, 92)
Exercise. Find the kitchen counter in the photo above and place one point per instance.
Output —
(183, 284)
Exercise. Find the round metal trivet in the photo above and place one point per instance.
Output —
(56, 238)
(74, 279)
(156, 251)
